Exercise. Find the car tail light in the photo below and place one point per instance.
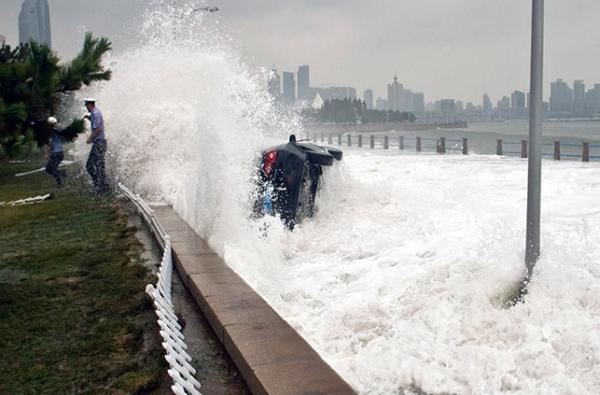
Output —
(268, 162)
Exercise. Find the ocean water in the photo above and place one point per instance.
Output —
(398, 281)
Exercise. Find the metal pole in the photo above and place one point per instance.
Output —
(534, 184)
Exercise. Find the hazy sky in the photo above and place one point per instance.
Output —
(444, 48)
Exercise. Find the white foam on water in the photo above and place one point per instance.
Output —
(396, 280)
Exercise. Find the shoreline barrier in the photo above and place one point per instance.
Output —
(557, 150)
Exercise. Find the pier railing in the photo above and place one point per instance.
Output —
(584, 151)
(180, 369)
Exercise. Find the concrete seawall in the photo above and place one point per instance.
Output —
(271, 356)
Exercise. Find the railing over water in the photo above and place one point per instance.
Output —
(181, 371)
(445, 145)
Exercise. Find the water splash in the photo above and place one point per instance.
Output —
(186, 118)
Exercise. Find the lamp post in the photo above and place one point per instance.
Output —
(534, 184)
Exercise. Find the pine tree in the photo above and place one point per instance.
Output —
(32, 82)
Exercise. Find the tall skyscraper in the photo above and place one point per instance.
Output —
(2, 40)
(274, 84)
(517, 104)
(486, 104)
(34, 22)
(304, 82)
(395, 99)
(289, 87)
(579, 97)
(561, 98)
(368, 99)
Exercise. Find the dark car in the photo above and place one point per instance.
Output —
(288, 179)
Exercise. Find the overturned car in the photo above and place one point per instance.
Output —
(288, 179)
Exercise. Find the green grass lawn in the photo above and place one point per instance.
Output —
(74, 317)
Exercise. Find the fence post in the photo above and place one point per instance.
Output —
(386, 142)
(442, 148)
(418, 144)
(585, 152)
(499, 147)
(360, 140)
(349, 140)
(339, 139)
(523, 148)
(557, 150)
(401, 143)
(330, 139)
(372, 141)
(465, 146)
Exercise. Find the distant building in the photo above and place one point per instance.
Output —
(368, 99)
(335, 92)
(419, 103)
(274, 84)
(446, 108)
(592, 101)
(304, 82)
(561, 98)
(381, 104)
(2, 40)
(486, 105)
(395, 95)
(578, 97)
(517, 105)
(504, 107)
(289, 88)
(460, 106)
(34, 22)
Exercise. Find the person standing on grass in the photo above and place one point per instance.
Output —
(56, 153)
(95, 164)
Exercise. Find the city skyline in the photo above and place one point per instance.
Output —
(563, 101)
(363, 46)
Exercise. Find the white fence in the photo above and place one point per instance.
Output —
(181, 370)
